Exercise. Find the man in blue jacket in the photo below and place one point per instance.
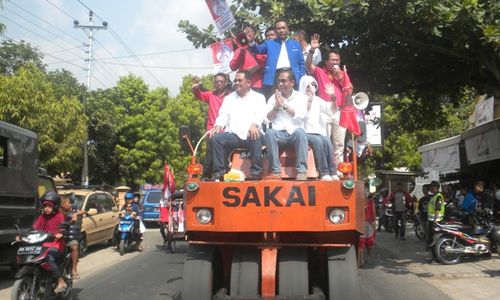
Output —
(281, 53)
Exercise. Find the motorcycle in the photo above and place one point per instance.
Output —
(388, 218)
(33, 280)
(127, 235)
(419, 227)
(455, 240)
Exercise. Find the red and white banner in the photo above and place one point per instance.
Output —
(222, 53)
(222, 15)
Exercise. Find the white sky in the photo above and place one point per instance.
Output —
(146, 26)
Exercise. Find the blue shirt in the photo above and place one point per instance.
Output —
(469, 203)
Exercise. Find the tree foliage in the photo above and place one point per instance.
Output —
(15, 55)
(27, 99)
(415, 57)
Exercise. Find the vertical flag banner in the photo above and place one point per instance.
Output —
(222, 53)
(222, 15)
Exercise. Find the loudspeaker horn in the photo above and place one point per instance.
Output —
(360, 101)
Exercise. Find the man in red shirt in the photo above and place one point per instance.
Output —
(244, 59)
(214, 100)
(331, 74)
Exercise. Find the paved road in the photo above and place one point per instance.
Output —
(393, 272)
(156, 274)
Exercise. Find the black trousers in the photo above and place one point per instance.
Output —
(163, 226)
(399, 229)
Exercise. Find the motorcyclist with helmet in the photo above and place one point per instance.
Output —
(49, 221)
(133, 208)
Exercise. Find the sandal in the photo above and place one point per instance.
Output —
(75, 276)
(60, 288)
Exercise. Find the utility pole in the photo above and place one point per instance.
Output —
(89, 30)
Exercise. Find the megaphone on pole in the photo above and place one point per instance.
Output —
(360, 101)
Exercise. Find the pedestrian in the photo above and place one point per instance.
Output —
(331, 73)
(282, 52)
(367, 239)
(241, 117)
(435, 212)
(384, 195)
(72, 216)
(401, 202)
(422, 208)
(214, 100)
(287, 110)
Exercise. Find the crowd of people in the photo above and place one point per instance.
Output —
(282, 96)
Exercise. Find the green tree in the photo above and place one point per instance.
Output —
(66, 84)
(27, 99)
(14, 55)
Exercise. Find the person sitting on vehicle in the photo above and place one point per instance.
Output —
(137, 232)
(287, 110)
(241, 116)
(318, 113)
(71, 217)
(49, 221)
(384, 193)
(136, 206)
(469, 203)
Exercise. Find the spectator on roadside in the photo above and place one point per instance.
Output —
(401, 202)
(214, 100)
(302, 37)
(331, 73)
(315, 126)
(422, 207)
(367, 239)
(287, 110)
(384, 194)
(484, 199)
(71, 217)
(470, 202)
(435, 212)
(241, 116)
(282, 52)
(244, 59)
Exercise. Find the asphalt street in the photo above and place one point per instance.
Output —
(157, 274)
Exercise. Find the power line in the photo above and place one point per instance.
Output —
(108, 74)
(48, 23)
(105, 76)
(58, 60)
(124, 45)
(37, 34)
(60, 9)
(159, 67)
(112, 57)
(152, 53)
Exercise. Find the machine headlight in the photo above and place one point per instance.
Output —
(337, 215)
(204, 215)
(348, 184)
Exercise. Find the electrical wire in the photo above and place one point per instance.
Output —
(161, 67)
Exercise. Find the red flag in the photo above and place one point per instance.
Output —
(169, 186)
(349, 119)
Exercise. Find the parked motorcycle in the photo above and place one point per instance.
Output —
(33, 280)
(453, 241)
(127, 235)
(419, 227)
(388, 218)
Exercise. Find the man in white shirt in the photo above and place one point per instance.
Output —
(302, 37)
(286, 109)
(240, 116)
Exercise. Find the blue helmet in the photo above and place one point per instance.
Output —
(129, 196)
